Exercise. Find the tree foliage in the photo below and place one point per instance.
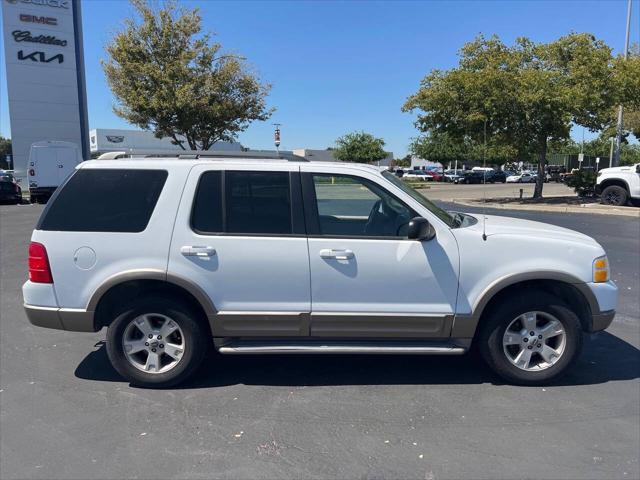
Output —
(446, 148)
(170, 78)
(598, 147)
(526, 95)
(359, 147)
(5, 149)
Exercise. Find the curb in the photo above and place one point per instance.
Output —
(597, 210)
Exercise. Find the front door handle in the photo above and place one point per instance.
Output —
(337, 254)
(198, 251)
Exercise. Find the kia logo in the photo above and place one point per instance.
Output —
(40, 57)
(36, 19)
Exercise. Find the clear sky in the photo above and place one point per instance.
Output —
(337, 67)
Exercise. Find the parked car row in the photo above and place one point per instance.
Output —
(10, 191)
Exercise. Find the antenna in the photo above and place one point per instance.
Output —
(276, 136)
(484, 184)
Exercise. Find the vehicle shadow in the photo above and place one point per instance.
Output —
(605, 358)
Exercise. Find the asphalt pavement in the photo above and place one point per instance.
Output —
(65, 413)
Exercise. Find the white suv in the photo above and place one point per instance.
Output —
(277, 256)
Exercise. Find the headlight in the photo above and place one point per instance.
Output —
(601, 269)
(598, 174)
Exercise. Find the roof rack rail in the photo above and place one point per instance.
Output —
(202, 154)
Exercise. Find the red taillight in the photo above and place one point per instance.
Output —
(39, 270)
(32, 172)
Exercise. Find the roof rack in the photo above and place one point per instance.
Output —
(202, 154)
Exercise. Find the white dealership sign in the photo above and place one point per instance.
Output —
(45, 75)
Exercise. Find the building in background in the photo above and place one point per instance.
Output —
(418, 163)
(327, 156)
(115, 140)
(45, 76)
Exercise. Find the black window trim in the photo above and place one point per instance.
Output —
(312, 217)
(295, 204)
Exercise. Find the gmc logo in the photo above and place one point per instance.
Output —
(36, 19)
(40, 57)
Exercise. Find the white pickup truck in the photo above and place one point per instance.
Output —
(618, 185)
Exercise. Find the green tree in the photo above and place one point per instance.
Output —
(359, 147)
(632, 122)
(526, 95)
(444, 148)
(5, 149)
(402, 162)
(170, 78)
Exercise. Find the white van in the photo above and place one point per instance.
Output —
(50, 163)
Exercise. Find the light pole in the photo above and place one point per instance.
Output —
(616, 157)
(276, 137)
(611, 151)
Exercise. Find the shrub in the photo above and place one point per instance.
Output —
(583, 182)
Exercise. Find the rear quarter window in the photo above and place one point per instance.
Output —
(104, 200)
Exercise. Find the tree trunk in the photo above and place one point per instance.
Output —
(542, 160)
(177, 142)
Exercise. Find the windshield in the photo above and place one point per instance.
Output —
(424, 201)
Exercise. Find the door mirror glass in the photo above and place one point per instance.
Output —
(420, 229)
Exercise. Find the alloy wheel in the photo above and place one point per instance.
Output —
(153, 343)
(534, 341)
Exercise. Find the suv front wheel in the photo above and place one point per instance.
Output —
(157, 342)
(614, 195)
(531, 341)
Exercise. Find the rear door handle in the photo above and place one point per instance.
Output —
(337, 254)
(197, 251)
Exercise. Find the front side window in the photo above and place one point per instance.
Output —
(354, 207)
(424, 201)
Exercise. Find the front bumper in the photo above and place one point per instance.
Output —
(74, 320)
(603, 300)
(602, 320)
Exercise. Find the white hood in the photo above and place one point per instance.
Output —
(496, 225)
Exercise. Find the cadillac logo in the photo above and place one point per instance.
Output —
(25, 36)
(115, 138)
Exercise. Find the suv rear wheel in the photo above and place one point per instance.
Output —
(157, 342)
(614, 195)
(531, 342)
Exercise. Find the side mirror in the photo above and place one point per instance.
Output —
(420, 229)
(638, 168)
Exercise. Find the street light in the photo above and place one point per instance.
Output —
(276, 136)
(616, 158)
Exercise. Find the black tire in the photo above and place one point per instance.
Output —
(197, 341)
(614, 195)
(493, 327)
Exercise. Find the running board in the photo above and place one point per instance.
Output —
(395, 348)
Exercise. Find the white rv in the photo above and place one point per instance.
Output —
(50, 163)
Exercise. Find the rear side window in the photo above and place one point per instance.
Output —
(207, 206)
(258, 202)
(243, 202)
(105, 200)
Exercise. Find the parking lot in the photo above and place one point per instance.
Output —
(65, 413)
